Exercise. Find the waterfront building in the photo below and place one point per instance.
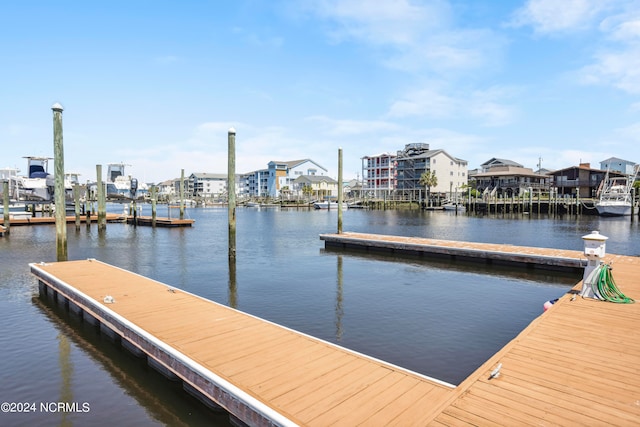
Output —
(255, 184)
(580, 180)
(378, 174)
(494, 162)
(166, 190)
(320, 187)
(207, 185)
(505, 178)
(282, 174)
(615, 164)
(415, 159)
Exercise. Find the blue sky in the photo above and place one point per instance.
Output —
(157, 84)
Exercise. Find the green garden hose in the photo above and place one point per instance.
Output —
(605, 288)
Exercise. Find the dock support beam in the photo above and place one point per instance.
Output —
(102, 200)
(5, 205)
(59, 194)
(181, 193)
(339, 191)
(231, 191)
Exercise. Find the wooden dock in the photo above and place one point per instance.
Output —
(576, 364)
(160, 222)
(47, 220)
(531, 257)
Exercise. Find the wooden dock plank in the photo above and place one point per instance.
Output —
(44, 220)
(580, 352)
(264, 359)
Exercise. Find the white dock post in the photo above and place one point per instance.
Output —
(594, 250)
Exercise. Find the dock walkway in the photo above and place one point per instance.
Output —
(576, 364)
(48, 220)
(542, 258)
(262, 373)
(160, 221)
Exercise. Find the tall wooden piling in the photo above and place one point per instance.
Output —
(339, 191)
(102, 200)
(59, 196)
(76, 203)
(181, 193)
(154, 202)
(5, 205)
(231, 191)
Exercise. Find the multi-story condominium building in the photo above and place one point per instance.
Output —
(283, 174)
(378, 174)
(207, 185)
(416, 159)
(256, 184)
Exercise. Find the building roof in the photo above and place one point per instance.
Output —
(295, 163)
(207, 175)
(316, 178)
(494, 161)
(427, 155)
(373, 156)
(508, 171)
(617, 160)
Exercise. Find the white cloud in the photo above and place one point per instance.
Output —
(397, 22)
(624, 27)
(409, 35)
(489, 106)
(617, 60)
(551, 16)
(618, 69)
(629, 134)
(335, 127)
(616, 55)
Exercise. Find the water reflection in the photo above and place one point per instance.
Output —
(339, 307)
(164, 402)
(233, 289)
(66, 373)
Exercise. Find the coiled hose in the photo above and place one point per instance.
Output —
(604, 286)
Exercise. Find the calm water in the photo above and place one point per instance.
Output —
(441, 319)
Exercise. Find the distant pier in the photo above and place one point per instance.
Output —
(45, 220)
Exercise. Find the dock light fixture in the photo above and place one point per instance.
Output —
(594, 250)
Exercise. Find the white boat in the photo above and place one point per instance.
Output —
(615, 196)
(328, 205)
(454, 206)
(38, 184)
(121, 186)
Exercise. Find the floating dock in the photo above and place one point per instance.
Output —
(531, 257)
(47, 220)
(576, 364)
(160, 222)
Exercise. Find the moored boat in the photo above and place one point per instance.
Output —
(615, 196)
(328, 205)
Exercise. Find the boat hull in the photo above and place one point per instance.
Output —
(614, 210)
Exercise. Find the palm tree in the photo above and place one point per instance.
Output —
(429, 179)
